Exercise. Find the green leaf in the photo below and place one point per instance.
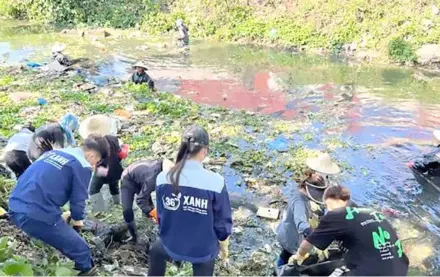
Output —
(2, 273)
(13, 267)
(3, 242)
(63, 271)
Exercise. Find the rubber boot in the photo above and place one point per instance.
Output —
(133, 231)
(97, 203)
(116, 199)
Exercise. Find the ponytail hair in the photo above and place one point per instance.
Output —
(188, 148)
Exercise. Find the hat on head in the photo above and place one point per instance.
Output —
(98, 124)
(140, 64)
(324, 164)
(58, 47)
(196, 135)
(437, 134)
(179, 22)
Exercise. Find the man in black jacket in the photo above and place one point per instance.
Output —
(429, 163)
(139, 179)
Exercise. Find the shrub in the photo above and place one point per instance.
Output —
(401, 51)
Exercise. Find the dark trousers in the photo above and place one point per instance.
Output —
(97, 183)
(60, 236)
(284, 257)
(159, 258)
(17, 161)
(127, 199)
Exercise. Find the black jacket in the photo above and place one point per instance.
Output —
(429, 163)
(112, 161)
(142, 78)
(141, 177)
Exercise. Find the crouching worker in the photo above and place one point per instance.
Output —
(53, 136)
(58, 177)
(373, 248)
(109, 169)
(16, 158)
(193, 210)
(139, 179)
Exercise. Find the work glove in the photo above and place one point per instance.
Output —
(224, 250)
(298, 259)
(3, 213)
(153, 215)
(66, 217)
(77, 225)
(322, 254)
(133, 233)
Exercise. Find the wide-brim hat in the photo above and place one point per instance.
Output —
(437, 134)
(324, 164)
(140, 64)
(58, 47)
(98, 124)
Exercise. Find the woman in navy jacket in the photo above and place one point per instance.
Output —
(193, 209)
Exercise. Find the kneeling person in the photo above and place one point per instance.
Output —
(58, 177)
(373, 246)
(139, 179)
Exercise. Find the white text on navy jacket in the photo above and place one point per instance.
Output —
(192, 221)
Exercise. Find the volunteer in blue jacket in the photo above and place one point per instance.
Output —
(193, 209)
(57, 177)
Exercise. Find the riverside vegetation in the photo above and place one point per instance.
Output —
(394, 28)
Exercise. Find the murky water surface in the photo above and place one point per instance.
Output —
(364, 105)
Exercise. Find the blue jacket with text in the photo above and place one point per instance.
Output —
(57, 177)
(192, 222)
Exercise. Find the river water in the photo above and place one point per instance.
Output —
(372, 105)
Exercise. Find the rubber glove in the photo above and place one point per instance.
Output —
(298, 259)
(153, 215)
(66, 216)
(77, 225)
(224, 250)
(3, 213)
(322, 255)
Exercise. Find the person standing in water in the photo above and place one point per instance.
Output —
(183, 39)
(57, 55)
(109, 169)
(193, 210)
(58, 177)
(139, 179)
(140, 76)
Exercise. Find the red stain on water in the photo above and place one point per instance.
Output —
(234, 94)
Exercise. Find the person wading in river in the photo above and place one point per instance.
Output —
(183, 39)
(108, 170)
(139, 179)
(373, 248)
(429, 163)
(304, 207)
(57, 55)
(58, 177)
(140, 76)
(193, 210)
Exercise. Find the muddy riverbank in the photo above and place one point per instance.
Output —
(266, 110)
